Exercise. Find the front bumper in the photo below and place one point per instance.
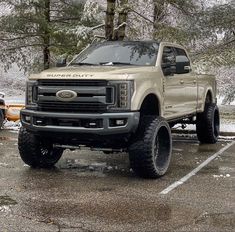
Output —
(101, 124)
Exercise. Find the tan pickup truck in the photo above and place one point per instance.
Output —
(118, 96)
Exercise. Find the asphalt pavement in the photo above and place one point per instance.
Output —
(91, 191)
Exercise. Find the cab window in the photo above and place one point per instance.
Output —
(168, 61)
(182, 61)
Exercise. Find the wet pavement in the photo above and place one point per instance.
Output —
(91, 191)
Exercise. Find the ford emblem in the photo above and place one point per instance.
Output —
(66, 95)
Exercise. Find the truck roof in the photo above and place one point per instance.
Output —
(150, 42)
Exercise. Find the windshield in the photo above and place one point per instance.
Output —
(119, 53)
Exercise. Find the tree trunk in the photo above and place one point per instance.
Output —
(46, 37)
(158, 16)
(109, 21)
(122, 20)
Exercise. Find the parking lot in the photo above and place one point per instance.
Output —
(91, 191)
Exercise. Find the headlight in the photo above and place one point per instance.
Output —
(124, 92)
(31, 93)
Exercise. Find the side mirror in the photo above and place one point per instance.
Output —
(61, 62)
(182, 65)
(169, 65)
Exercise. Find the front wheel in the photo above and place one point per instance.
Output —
(208, 124)
(150, 155)
(36, 151)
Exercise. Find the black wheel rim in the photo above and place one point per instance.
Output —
(216, 123)
(162, 147)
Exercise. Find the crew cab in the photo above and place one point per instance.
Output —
(118, 96)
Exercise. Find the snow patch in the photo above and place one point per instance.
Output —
(222, 176)
(13, 126)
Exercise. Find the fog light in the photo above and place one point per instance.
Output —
(27, 119)
(120, 122)
(39, 122)
(117, 122)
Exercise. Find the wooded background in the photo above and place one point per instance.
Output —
(34, 33)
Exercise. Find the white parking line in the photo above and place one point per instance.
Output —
(196, 170)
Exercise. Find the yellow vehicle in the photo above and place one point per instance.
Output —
(13, 111)
(118, 96)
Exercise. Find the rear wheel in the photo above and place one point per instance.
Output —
(150, 155)
(36, 151)
(208, 124)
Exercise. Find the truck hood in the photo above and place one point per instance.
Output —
(91, 72)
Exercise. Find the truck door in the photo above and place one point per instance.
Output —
(174, 93)
(187, 79)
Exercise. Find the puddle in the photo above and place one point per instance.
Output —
(6, 201)
(209, 170)
(207, 148)
(85, 166)
(227, 169)
(217, 219)
(105, 189)
(177, 149)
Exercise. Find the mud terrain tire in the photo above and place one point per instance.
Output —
(208, 123)
(36, 152)
(150, 155)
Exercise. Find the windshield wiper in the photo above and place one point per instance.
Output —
(83, 63)
(115, 63)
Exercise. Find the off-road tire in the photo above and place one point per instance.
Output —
(208, 123)
(37, 152)
(150, 154)
(1, 118)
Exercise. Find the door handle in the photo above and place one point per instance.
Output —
(181, 82)
(195, 82)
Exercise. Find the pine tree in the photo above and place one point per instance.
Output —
(116, 29)
(41, 27)
(217, 33)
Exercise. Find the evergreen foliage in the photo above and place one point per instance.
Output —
(37, 30)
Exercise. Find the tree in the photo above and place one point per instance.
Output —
(217, 33)
(117, 32)
(170, 20)
(123, 10)
(41, 28)
(109, 20)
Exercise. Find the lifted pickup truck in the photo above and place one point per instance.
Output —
(118, 96)
(2, 109)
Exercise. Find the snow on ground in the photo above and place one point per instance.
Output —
(10, 125)
(15, 100)
(220, 100)
(225, 126)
